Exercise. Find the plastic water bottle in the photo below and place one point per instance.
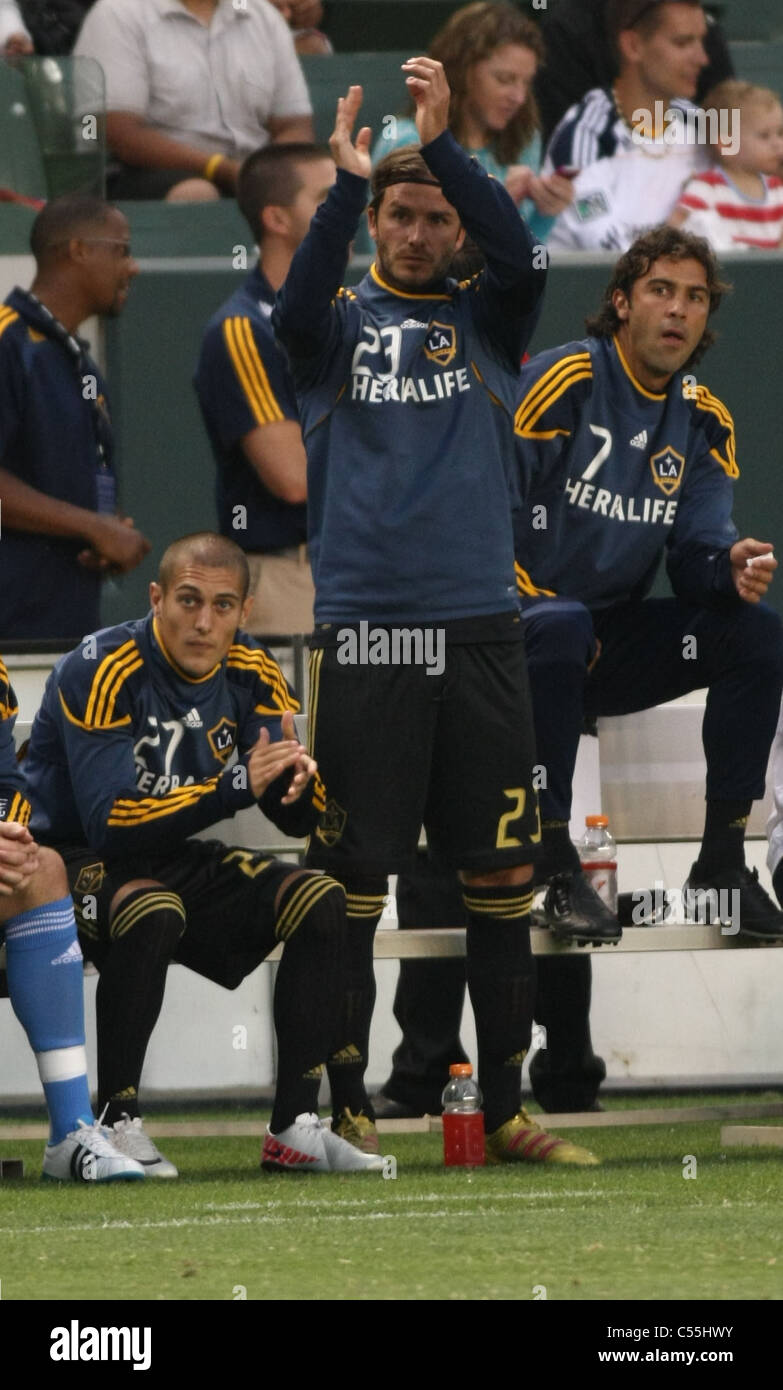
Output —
(598, 857)
(463, 1119)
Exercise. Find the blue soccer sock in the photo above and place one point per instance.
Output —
(47, 995)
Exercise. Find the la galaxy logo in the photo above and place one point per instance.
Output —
(441, 343)
(221, 738)
(332, 823)
(667, 469)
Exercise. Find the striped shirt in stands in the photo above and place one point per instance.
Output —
(593, 129)
(730, 220)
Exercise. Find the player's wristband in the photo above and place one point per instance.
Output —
(212, 164)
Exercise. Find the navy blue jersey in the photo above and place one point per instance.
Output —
(406, 403)
(613, 473)
(127, 753)
(55, 435)
(242, 381)
(13, 801)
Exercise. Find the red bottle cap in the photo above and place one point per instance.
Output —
(596, 820)
(460, 1069)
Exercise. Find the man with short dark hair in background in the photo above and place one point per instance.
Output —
(61, 531)
(247, 397)
(580, 55)
(629, 145)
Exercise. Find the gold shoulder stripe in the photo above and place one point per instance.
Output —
(251, 659)
(7, 710)
(526, 586)
(250, 370)
(564, 374)
(7, 317)
(707, 402)
(90, 728)
(103, 678)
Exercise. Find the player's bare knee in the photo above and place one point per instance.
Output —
(50, 881)
(145, 906)
(309, 903)
(517, 873)
(126, 889)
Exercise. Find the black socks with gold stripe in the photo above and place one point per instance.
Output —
(364, 900)
(501, 982)
(311, 923)
(144, 934)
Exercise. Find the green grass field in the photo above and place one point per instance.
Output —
(634, 1228)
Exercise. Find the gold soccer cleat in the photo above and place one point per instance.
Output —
(358, 1130)
(522, 1140)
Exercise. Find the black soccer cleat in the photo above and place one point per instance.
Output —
(574, 912)
(734, 898)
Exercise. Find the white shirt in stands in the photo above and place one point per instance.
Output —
(214, 86)
(617, 199)
(11, 21)
(627, 181)
(730, 220)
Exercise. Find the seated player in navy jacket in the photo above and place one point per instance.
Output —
(130, 754)
(624, 456)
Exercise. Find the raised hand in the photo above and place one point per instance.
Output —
(354, 158)
(426, 82)
(752, 568)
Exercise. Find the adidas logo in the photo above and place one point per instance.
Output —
(639, 441)
(192, 720)
(413, 323)
(73, 953)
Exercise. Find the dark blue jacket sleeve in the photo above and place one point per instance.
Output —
(697, 561)
(509, 290)
(303, 318)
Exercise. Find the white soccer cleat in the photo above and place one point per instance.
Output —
(307, 1147)
(130, 1138)
(88, 1154)
(345, 1158)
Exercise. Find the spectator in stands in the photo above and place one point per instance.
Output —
(15, 40)
(44, 969)
(61, 531)
(304, 17)
(490, 53)
(633, 145)
(40, 26)
(738, 202)
(122, 788)
(247, 396)
(192, 86)
(580, 55)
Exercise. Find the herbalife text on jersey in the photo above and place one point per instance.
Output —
(674, 125)
(393, 646)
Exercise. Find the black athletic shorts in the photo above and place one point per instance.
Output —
(400, 748)
(228, 895)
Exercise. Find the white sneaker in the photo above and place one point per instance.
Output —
(88, 1154)
(307, 1147)
(344, 1158)
(130, 1138)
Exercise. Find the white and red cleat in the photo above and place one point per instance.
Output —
(307, 1147)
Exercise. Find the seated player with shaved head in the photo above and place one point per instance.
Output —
(129, 756)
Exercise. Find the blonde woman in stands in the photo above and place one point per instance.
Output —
(737, 204)
(491, 53)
